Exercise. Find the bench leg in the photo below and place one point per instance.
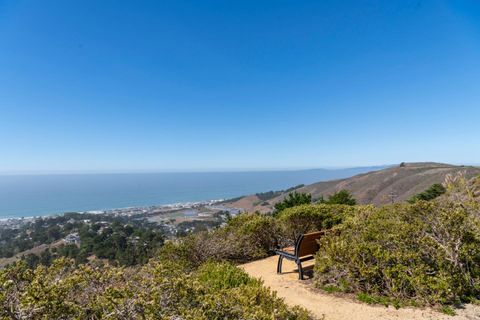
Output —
(300, 270)
(279, 265)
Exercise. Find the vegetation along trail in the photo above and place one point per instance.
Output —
(330, 307)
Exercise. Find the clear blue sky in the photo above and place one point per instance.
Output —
(217, 85)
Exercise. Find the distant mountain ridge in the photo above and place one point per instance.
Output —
(397, 183)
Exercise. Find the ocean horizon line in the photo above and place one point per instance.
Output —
(40, 195)
(179, 171)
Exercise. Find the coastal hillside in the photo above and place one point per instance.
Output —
(376, 187)
(416, 260)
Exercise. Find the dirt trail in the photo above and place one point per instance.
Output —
(329, 307)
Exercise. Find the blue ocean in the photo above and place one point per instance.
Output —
(40, 195)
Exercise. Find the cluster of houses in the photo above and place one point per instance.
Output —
(72, 238)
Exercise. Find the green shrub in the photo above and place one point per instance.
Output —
(229, 292)
(428, 252)
(448, 310)
(158, 290)
(218, 276)
(258, 230)
(331, 289)
(245, 237)
(178, 251)
(251, 236)
(369, 299)
(341, 197)
(305, 218)
(292, 200)
(431, 193)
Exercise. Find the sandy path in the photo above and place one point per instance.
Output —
(329, 307)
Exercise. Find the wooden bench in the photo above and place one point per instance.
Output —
(304, 249)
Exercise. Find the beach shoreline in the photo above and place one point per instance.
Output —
(123, 211)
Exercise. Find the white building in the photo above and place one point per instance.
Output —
(72, 238)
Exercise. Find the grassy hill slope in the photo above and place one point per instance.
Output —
(372, 187)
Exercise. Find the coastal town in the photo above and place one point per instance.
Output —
(169, 215)
(83, 235)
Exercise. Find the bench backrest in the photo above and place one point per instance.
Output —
(307, 243)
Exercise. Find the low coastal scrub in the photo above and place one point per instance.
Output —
(252, 236)
(423, 253)
(246, 237)
(157, 290)
(305, 218)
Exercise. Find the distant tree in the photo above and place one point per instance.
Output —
(69, 250)
(267, 195)
(264, 196)
(292, 200)
(82, 257)
(54, 233)
(31, 260)
(402, 164)
(46, 258)
(431, 193)
(340, 197)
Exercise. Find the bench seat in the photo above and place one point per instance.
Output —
(304, 249)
